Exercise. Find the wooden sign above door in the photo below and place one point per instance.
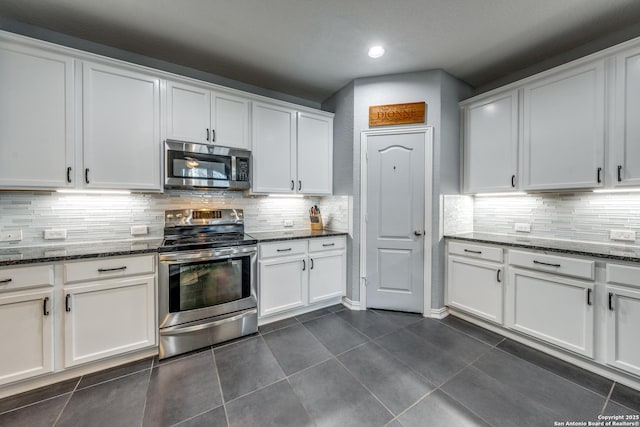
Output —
(397, 114)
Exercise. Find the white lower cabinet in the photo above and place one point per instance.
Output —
(295, 274)
(27, 348)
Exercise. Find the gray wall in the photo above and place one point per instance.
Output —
(111, 52)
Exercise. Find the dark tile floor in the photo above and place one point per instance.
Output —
(335, 367)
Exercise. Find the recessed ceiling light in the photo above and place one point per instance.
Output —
(376, 51)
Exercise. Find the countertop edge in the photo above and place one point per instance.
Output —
(327, 233)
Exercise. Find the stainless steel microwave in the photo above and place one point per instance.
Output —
(196, 166)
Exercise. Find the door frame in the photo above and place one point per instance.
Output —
(428, 198)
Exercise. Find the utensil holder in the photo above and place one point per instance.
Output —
(316, 222)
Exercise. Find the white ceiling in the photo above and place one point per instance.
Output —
(311, 48)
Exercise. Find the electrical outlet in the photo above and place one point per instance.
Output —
(287, 222)
(55, 234)
(11, 236)
(626, 235)
(137, 230)
(523, 227)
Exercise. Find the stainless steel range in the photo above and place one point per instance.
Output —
(207, 280)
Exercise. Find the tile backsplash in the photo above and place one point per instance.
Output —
(581, 216)
(96, 217)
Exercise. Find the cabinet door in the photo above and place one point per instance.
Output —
(229, 121)
(315, 154)
(121, 129)
(26, 334)
(283, 284)
(552, 308)
(623, 318)
(274, 149)
(108, 318)
(491, 144)
(626, 142)
(188, 113)
(36, 118)
(475, 287)
(327, 276)
(564, 130)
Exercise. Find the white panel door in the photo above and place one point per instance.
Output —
(491, 144)
(26, 334)
(564, 130)
(108, 318)
(395, 223)
(230, 121)
(626, 142)
(36, 118)
(327, 273)
(475, 287)
(121, 129)
(283, 284)
(552, 308)
(315, 154)
(188, 113)
(623, 318)
(274, 149)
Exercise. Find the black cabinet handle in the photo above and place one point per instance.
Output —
(513, 181)
(589, 301)
(546, 263)
(284, 250)
(619, 173)
(5, 281)
(69, 174)
(498, 275)
(104, 270)
(213, 135)
(207, 134)
(599, 177)
(611, 301)
(299, 185)
(473, 252)
(311, 267)
(86, 175)
(67, 303)
(292, 185)
(324, 245)
(304, 265)
(45, 309)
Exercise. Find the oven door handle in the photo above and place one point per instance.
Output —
(177, 330)
(180, 257)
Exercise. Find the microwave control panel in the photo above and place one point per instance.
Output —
(242, 169)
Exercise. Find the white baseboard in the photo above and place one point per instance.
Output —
(438, 313)
(352, 305)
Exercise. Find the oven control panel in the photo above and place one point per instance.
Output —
(176, 218)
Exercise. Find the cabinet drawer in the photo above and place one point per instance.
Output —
(487, 253)
(623, 275)
(108, 267)
(289, 247)
(553, 264)
(26, 277)
(326, 244)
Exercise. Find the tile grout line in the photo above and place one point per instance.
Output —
(300, 402)
(146, 396)
(606, 401)
(67, 402)
(215, 367)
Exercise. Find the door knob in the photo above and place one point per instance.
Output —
(418, 232)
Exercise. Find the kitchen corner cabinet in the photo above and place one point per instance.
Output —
(292, 151)
(197, 114)
(121, 118)
(563, 125)
(626, 141)
(491, 144)
(109, 308)
(36, 118)
(26, 316)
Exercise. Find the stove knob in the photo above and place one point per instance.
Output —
(169, 216)
(179, 215)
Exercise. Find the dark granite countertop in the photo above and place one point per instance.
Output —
(272, 236)
(56, 253)
(599, 250)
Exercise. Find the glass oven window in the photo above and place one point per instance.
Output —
(208, 283)
(198, 166)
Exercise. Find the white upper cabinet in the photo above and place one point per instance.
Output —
(121, 128)
(292, 151)
(197, 114)
(491, 144)
(274, 149)
(626, 141)
(315, 154)
(36, 118)
(563, 142)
